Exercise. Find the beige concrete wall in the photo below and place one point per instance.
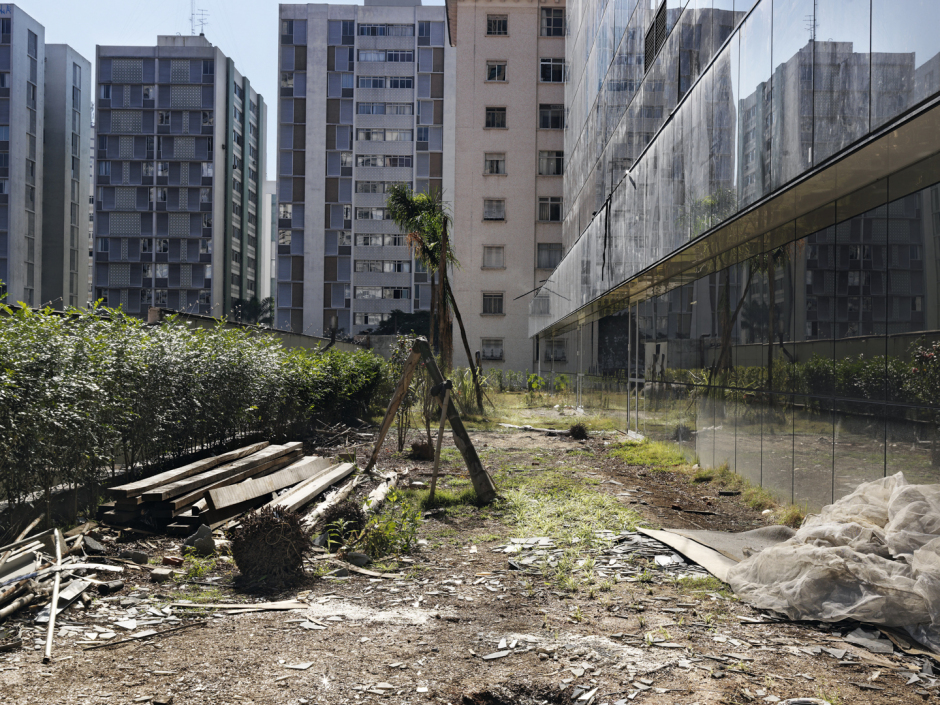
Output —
(521, 186)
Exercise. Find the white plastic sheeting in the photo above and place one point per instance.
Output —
(873, 556)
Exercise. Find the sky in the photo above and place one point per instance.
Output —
(245, 31)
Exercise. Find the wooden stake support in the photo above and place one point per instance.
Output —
(421, 351)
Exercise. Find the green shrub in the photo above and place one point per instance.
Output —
(84, 392)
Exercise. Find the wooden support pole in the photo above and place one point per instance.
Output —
(437, 451)
(47, 656)
(482, 482)
(400, 391)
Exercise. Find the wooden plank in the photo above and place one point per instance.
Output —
(271, 465)
(482, 482)
(299, 497)
(408, 370)
(303, 469)
(194, 482)
(133, 489)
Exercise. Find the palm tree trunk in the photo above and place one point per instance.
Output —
(446, 359)
(431, 312)
(474, 372)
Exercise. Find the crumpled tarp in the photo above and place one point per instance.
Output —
(872, 556)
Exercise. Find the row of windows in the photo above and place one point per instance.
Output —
(385, 108)
(387, 30)
(549, 209)
(379, 81)
(550, 71)
(376, 240)
(392, 160)
(384, 135)
(149, 169)
(389, 56)
(552, 24)
(551, 117)
(548, 256)
(555, 350)
(374, 187)
(161, 245)
(384, 266)
(382, 292)
(551, 163)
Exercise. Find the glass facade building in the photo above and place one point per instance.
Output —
(753, 218)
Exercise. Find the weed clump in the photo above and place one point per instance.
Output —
(269, 547)
(655, 454)
(578, 431)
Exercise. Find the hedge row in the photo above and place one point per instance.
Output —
(83, 393)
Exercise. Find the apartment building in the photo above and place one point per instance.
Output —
(365, 101)
(66, 177)
(509, 168)
(179, 175)
(45, 112)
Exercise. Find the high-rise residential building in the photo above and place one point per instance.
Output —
(509, 163)
(751, 228)
(45, 111)
(364, 103)
(180, 169)
(270, 253)
(66, 178)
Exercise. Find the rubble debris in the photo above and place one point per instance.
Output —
(147, 634)
(201, 541)
(270, 545)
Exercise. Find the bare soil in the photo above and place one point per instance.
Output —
(423, 638)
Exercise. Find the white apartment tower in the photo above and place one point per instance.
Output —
(509, 165)
(45, 121)
(364, 103)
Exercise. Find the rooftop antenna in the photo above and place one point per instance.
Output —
(197, 18)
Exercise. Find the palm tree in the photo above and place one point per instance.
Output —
(424, 218)
(260, 313)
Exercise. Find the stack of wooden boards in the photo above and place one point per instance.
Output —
(213, 491)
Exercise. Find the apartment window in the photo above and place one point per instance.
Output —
(395, 240)
(494, 209)
(370, 108)
(163, 117)
(103, 244)
(4, 80)
(106, 91)
(496, 117)
(161, 195)
(287, 79)
(555, 350)
(497, 25)
(553, 22)
(396, 266)
(32, 44)
(401, 82)
(494, 257)
(368, 240)
(370, 135)
(149, 92)
(492, 348)
(492, 304)
(399, 109)
(550, 208)
(495, 70)
(163, 245)
(372, 214)
(205, 195)
(399, 135)
(146, 246)
(551, 163)
(371, 82)
(551, 117)
(163, 168)
(494, 163)
(162, 271)
(104, 168)
(549, 255)
(368, 265)
(552, 70)
(208, 67)
(400, 56)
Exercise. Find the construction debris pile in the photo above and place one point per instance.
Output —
(216, 491)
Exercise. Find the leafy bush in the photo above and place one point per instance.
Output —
(88, 391)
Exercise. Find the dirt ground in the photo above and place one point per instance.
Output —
(426, 637)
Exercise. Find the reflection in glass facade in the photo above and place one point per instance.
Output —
(752, 264)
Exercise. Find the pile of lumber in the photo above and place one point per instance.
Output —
(217, 490)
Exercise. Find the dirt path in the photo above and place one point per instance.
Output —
(424, 638)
